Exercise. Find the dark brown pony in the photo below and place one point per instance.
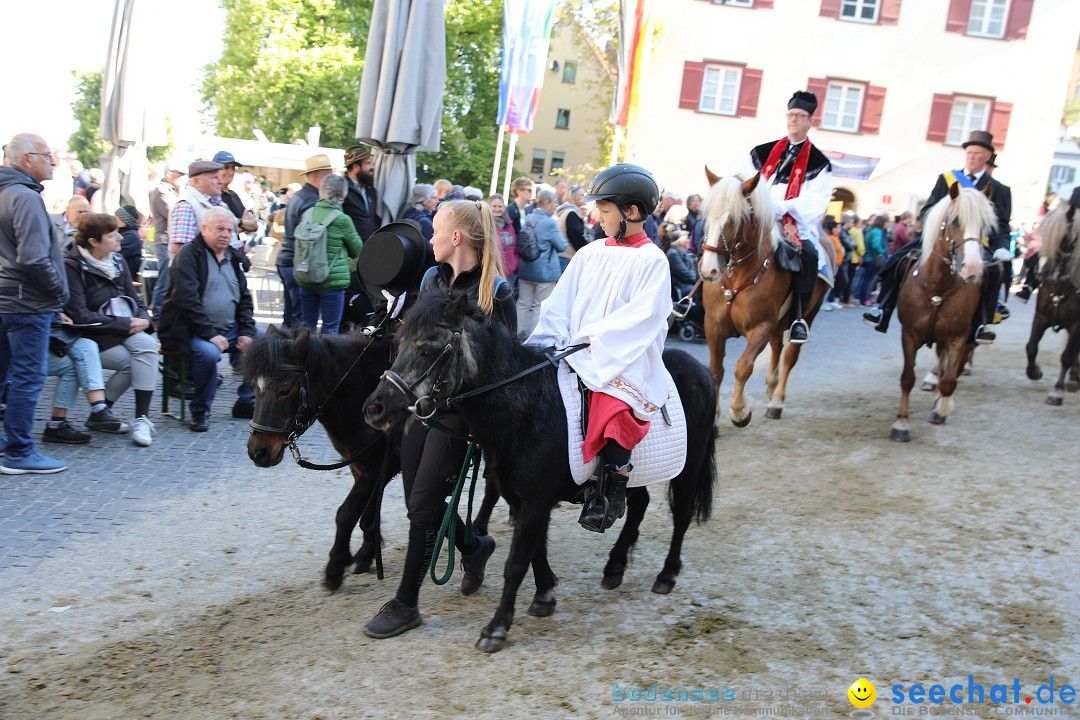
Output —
(744, 293)
(1058, 304)
(939, 300)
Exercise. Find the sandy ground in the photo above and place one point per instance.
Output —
(832, 554)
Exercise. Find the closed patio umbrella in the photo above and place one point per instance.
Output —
(400, 106)
(130, 119)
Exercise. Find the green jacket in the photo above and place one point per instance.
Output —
(341, 232)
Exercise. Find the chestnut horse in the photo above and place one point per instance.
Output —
(744, 294)
(1058, 304)
(938, 301)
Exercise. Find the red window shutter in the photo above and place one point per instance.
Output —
(940, 111)
(999, 122)
(818, 86)
(763, 4)
(749, 92)
(872, 107)
(1019, 17)
(830, 8)
(692, 74)
(959, 13)
(889, 14)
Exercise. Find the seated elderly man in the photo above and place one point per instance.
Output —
(208, 311)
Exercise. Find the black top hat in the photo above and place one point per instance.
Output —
(393, 258)
(980, 138)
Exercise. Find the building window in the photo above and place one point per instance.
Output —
(843, 107)
(859, 10)
(562, 119)
(558, 159)
(988, 18)
(967, 115)
(736, 3)
(569, 71)
(1062, 175)
(720, 90)
(539, 159)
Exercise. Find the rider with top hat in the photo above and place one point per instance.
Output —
(978, 151)
(800, 185)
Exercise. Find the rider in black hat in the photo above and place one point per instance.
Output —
(978, 151)
(800, 185)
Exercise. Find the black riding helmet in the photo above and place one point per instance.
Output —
(625, 184)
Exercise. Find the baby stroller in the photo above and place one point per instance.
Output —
(688, 314)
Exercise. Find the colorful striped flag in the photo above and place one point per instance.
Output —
(526, 33)
(635, 45)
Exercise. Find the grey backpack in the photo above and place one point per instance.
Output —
(310, 263)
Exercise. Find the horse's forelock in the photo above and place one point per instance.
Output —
(970, 208)
(725, 202)
(1056, 231)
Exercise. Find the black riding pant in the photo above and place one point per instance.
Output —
(430, 463)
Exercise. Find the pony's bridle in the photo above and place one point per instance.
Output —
(425, 407)
(732, 262)
(303, 419)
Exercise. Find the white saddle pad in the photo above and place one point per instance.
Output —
(659, 457)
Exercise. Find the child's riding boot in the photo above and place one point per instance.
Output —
(603, 509)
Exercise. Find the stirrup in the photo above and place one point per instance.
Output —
(806, 332)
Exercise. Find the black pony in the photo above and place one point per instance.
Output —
(446, 348)
(298, 375)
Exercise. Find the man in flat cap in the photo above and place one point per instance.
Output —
(202, 193)
(978, 151)
(800, 185)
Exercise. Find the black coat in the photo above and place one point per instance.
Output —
(90, 289)
(365, 219)
(182, 314)
(1000, 196)
(131, 249)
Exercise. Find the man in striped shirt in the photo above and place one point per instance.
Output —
(203, 192)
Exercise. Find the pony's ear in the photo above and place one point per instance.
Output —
(299, 348)
(273, 330)
(454, 315)
(712, 177)
(1070, 212)
(749, 185)
(954, 190)
(986, 191)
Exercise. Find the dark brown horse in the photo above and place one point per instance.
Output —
(1058, 304)
(938, 301)
(744, 293)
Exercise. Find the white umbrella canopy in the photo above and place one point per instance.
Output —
(400, 107)
(130, 120)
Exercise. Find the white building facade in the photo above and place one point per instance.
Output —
(901, 83)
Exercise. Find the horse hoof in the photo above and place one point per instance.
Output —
(744, 422)
(936, 419)
(362, 566)
(332, 582)
(773, 413)
(1034, 373)
(663, 585)
(928, 387)
(610, 582)
(492, 641)
(1055, 401)
(542, 608)
(900, 435)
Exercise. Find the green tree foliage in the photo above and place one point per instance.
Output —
(471, 100)
(86, 141)
(288, 65)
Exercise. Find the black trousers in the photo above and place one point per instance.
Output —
(430, 463)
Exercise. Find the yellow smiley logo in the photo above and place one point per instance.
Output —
(862, 693)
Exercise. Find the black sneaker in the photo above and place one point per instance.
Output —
(104, 421)
(1024, 294)
(984, 336)
(394, 618)
(474, 563)
(243, 410)
(65, 433)
(199, 422)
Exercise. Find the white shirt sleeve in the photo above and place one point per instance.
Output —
(809, 206)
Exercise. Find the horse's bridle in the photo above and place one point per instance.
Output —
(302, 419)
(424, 407)
(729, 267)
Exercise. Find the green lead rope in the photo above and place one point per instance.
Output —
(448, 529)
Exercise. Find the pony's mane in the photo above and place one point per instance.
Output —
(1056, 230)
(269, 354)
(971, 207)
(725, 202)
